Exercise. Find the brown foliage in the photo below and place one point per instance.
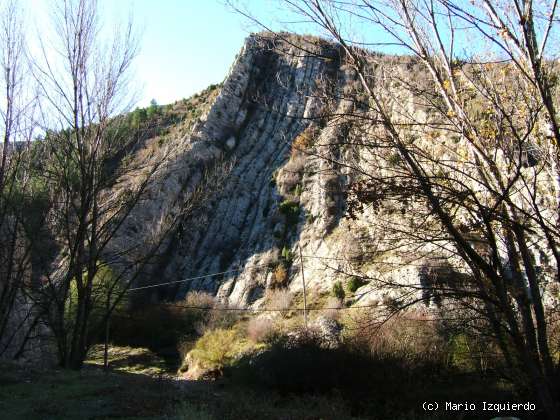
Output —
(279, 277)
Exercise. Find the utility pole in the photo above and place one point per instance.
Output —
(304, 294)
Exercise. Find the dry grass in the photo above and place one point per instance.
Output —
(260, 329)
(279, 299)
(212, 316)
(331, 307)
(199, 299)
(411, 336)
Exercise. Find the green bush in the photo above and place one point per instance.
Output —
(138, 117)
(153, 110)
(354, 284)
(290, 209)
(394, 159)
(338, 291)
(287, 255)
(105, 289)
(218, 348)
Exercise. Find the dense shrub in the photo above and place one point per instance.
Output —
(169, 327)
(222, 316)
(305, 366)
(384, 372)
(290, 209)
(394, 160)
(106, 290)
(338, 291)
(198, 318)
(287, 256)
(156, 327)
(260, 329)
(381, 380)
(218, 348)
(153, 110)
(354, 284)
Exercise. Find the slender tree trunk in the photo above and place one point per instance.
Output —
(106, 341)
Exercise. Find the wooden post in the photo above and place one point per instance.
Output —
(106, 346)
(304, 294)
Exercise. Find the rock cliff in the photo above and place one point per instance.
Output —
(288, 120)
(271, 120)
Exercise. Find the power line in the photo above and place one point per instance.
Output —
(191, 278)
(150, 286)
(234, 309)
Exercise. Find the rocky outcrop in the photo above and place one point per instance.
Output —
(287, 183)
(270, 121)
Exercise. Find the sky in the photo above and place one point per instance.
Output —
(185, 45)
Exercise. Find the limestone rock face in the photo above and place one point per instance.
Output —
(269, 121)
(279, 124)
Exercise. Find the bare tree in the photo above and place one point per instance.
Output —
(464, 141)
(18, 216)
(99, 175)
(85, 88)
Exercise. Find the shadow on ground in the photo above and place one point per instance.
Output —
(87, 394)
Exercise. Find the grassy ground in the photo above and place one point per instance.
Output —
(93, 394)
(132, 360)
(90, 393)
(140, 385)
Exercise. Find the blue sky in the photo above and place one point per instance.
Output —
(190, 44)
(185, 45)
